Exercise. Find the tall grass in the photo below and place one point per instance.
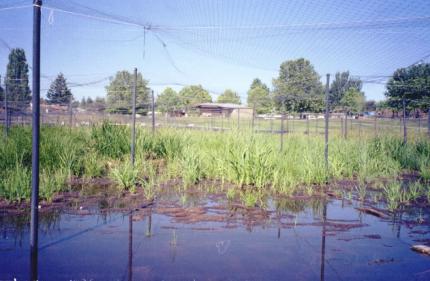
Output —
(248, 160)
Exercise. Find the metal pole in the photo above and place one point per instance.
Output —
(5, 108)
(153, 112)
(327, 112)
(405, 132)
(253, 117)
(70, 113)
(282, 131)
(133, 118)
(346, 125)
(307, 124)
(238, 119)
(34, 221)
(376, 125)
(428, 121)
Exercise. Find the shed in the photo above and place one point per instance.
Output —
(224, 109)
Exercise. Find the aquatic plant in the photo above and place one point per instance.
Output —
(125, 175)
(249, 198)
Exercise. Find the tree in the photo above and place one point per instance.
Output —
(16, 83)
(298, 88)
(259, 97)
(353, 101)
(409, 88)
(168, 100)
(119, 93)
(256, 83)
(193, 95)
(58, 92)
(340, 85)
(229, 97)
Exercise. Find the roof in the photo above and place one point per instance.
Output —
(221, 105)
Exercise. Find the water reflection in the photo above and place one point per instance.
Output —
(130, 246)
(216, 239)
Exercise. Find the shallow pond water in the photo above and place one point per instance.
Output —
(209, 239)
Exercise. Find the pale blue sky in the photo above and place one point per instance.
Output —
(218, 43)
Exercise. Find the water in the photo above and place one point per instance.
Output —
(299, 240)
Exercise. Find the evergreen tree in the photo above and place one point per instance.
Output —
(16, 82)
(59, 93)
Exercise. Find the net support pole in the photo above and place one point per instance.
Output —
(327, 112)
(133, 119)
(34, 217)
(153, 111)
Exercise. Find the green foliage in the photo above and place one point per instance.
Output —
(125, 175)
(165, 145)
(192, 167)
(248, 198)
(16, 80)
(110, 140)
(341, 84)
(168, 100)
(352, 101)
(411, 84)
(193, 95)
(58, 92)
(393, 194)
(52, 182)
(259, 96)
(94, 165)
(119, 93)
(298, 87)
(229, 97)
(15, 184)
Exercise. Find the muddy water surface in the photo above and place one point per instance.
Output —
(208, 238)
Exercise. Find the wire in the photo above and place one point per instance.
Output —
(15, 7)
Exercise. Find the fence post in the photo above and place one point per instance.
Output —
(419, 125)
(253, 117)
(238, 119)
(405, 130)
(307, 124)
(271, 124)
(153, 112)
(327, 112)
(316, 125)
(428, 122)
(34, 220)
(282, 131)
(133, 118)
(376, 126)
(70, 113)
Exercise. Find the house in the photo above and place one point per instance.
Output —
(224, 109)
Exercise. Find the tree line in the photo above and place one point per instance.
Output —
(297, 89)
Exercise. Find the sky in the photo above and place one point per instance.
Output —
(220, 44)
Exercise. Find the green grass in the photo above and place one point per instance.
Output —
(250, 160)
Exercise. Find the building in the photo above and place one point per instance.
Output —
(224, 109)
